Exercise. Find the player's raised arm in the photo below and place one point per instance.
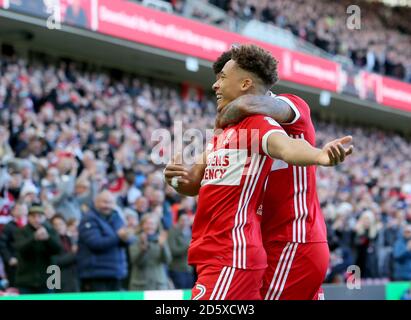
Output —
(300, 152)
(185, 181)
(248, 105)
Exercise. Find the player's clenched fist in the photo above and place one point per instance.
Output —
(175, 173)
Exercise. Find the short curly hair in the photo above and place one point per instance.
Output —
(219, 64)
(258, 61)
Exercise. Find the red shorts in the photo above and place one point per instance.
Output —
(295, 271)
(227, 283)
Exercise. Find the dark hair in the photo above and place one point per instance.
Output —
(219, 64)
(258, 61)
(71, 221)
(58, 216)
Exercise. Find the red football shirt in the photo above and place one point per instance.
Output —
(226, 228)
(291, 210)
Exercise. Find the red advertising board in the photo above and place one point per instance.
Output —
(151, 27)
(1, 4)
(395, 93)
(386, 91)
(309, 70)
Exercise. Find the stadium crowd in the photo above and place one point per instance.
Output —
(79, 189)
(382, 44)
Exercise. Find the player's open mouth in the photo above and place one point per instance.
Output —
(219, 97)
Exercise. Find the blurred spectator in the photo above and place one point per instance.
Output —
(10, 188)
(179, 240)
(141, 206)
(7, 237)
(89, 165)
(72, 229)
(35, 243)
(132, 192)
(72, 203)
(62, 191)
(185, 206)
(340, 260)
(28, 194)
(26, 169)
(366, 233)
(340, 239)
(402, 256)
(386, 240)
(4, 283)
(149, 256)
(6, 152)
(132, 224)
(103, 239)
(49, 211)
(66, 260)
(343, 224)
(161, 207)
(132, 220)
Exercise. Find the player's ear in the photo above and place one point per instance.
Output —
(246, 84)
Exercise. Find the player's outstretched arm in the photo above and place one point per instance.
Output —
(248, 105)
(300, 152)
(185, 181)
